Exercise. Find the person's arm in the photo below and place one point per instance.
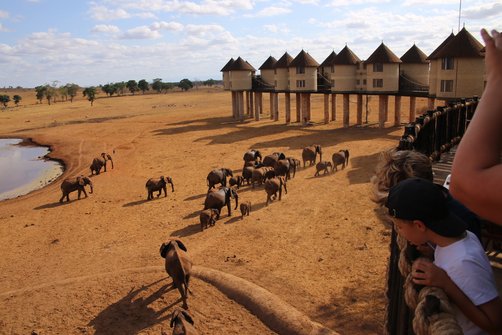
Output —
(476, 176)
(486, 316)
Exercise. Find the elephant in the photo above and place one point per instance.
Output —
(247, 173)
(259, 174)
(236, 181)
(274, 185)
(252, 155)
(99, 162)
(208, 217)
(220, 198)
(182, 323)
(309, 154)
(245, 209)
(283, 168)
(158, 184)
(255, 164)
(340, 158)
(75, 184)
(323, 166)
(294, 164)
(270, 160)
(218, 176)
(178, 266)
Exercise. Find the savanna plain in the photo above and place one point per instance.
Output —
(92, 266)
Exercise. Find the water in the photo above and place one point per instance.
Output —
(24, 169)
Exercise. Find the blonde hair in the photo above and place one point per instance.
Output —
(396, 166)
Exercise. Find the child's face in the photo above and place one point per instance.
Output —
(410, 230)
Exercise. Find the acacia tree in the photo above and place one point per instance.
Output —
(185, 84)
(16, 99)
(90, 93)
(143, 85)
(63, 92)
(209, 82)
(120, 87)
(4, 99)
(132, 86)
(50, 92)
(72, 90)
(157, 85)
(40, 92)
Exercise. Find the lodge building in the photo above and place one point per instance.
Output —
(454, 70)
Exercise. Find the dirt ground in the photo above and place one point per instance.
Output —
(93, 266)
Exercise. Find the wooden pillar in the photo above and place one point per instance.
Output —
(346, 110)
(326, 108)
(381, 111)
(304, 110)
(299, 107)
(386, 107)
(276, 106)
(251, 104)
(413, 106)
(309, 112)
(359, 116)
(247, 102)
(287, 99)
(241, 105)
(257, 106)
(234, 105)
(430, 103)
(333, 107)
(271, 102)
(397, 110)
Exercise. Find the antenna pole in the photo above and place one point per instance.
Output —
(459, 14)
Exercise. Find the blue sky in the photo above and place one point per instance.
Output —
(101, 41)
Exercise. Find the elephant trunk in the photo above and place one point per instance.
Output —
(172, 185)
(90, 184)
(236, 201)
(111, 161)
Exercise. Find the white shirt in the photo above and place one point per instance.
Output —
(467, 265)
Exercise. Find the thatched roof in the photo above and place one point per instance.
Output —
(414, 55)
(269, 64)
(346, 57)
(241, 65)
(228, 65)
(462, 45)
(303, 59)
(383, 55)
(329, 61)
(433, 54)
(284, 61)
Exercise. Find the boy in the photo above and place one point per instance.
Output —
(420, 213)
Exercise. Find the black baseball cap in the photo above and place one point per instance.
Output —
(421, 199)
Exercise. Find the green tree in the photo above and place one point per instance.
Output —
(4, 99)
(143, 85)
(72, 90)
(185, 84)
(132, 86)
(209, 82)
(90, 93)
(16, 99)
(63, 93)
(40, 92)
(120, 87)
(157, 85)
(50, 92)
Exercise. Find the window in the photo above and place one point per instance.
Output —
(447, 63)
(364, 66)
(358, 82)
(377, 82)
(364, 81)
(332, 69)
(300, 83)
(377, 67)
(300, 70)
(446, 85)
(275, 71)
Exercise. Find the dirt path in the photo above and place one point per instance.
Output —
(93, 267)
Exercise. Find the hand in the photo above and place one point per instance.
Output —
(424, 272)
(493, 56)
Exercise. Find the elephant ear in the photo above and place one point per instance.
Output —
(163, 249)
(80, 181)
(181, 245)
(161, 177)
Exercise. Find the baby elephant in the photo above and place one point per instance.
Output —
(178, 266)
(158, 184)
(245, 209)
(182, 323)
(236, 181)
(208, 217)
(323, 166)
